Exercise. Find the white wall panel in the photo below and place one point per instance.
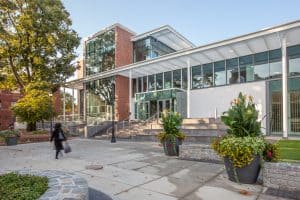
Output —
(207, 102)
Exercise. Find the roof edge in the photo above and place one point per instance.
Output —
(148, 33)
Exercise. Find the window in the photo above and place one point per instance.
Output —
(140, 83)
(148, 48)
(232, 71)
(168, 80)
(207, 70)
(275, 63)
(261, 66)
(151, 82)
(184, 78)
(177, 78)
(159, 81)
(134, 86)
(220, 73)
(246, 69)
(196, 77)
(294, 59)
(100, 53)
(145, 88)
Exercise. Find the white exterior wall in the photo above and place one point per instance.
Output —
(205, 102)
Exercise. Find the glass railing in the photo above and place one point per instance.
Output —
(157, 95)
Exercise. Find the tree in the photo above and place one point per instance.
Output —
(36, 43)
(35, 106)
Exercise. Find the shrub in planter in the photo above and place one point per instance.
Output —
(271, 152)
(243, 146)
(10, 137)
(171, 137)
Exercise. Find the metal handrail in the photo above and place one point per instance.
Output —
(150, 119)
(116, 125)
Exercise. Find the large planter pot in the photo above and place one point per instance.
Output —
(247, 174)
(171, 147)
(11, 140)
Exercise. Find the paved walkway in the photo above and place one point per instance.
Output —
(133, 171)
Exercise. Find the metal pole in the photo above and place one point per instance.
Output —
(51, 115)
(64, 104)
(188, 87)
(73, 105)
(284, 87)
(130, 95)
(113, 137)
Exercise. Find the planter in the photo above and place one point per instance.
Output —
(11, 140)
(247, 174)
(171, 147)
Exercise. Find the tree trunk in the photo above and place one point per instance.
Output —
(31, 126)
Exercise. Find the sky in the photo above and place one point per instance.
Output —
(200, 21)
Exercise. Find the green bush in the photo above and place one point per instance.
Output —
(240, 150)
(40, 132)
(9, 133)
(171, 124)
(271, 152)
(14, 186)
(242, 118)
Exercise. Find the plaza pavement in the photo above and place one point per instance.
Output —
(132, 171)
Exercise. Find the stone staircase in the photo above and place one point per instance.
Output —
(197, 130)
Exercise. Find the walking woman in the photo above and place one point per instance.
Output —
(58, 136)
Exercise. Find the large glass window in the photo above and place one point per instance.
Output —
(99, 95)
(261, 66)
(294, 59)
(149, 48)
(275, 63)
(232, 71)
(159, 81)
(100, 53)
(184, 78)
(177, 78)
(246, 69)
(220, 73)
(145, 88)
(151, 82)
(167, 80)
(197, 77)
(207, 70)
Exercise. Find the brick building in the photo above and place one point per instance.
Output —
(7, 99)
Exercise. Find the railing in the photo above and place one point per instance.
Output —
(151, 119)
(122, 123)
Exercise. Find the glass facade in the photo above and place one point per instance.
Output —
(167, 80)
(294, 60)
(177, 78)
(149, 48)
(100, 53)
(99, 95)
(276, 107)
(243, 69)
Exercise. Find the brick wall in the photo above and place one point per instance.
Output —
(7, 99)
(123, 56)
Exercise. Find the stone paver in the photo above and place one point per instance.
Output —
(132, 171)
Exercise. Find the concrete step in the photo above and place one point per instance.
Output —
(153, 138)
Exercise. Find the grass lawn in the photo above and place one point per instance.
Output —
(289, 150)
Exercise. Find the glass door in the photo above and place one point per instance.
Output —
(294, 114)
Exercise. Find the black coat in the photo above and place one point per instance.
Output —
(57, 140)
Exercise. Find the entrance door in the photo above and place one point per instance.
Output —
(153, 108)
(163, 105)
